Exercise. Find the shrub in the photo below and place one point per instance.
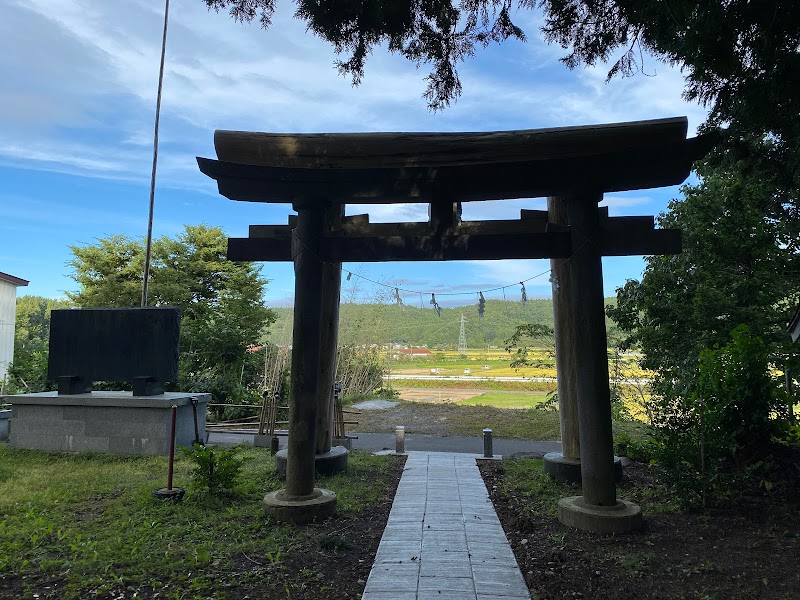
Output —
(215, 469)
(707, 438)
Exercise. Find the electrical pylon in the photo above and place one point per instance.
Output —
(462, 337)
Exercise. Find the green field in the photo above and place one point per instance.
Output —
(507, 399)
(493, 362)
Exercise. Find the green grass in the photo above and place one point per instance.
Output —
(535, 493)
(87, 525)
(506, 399)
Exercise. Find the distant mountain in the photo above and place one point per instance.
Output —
(421, 326)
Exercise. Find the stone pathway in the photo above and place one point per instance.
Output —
(443, 539)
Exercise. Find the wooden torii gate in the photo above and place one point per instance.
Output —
(573, 167)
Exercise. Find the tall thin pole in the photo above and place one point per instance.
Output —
(146, 275)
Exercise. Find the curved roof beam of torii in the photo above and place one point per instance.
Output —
(448, 167)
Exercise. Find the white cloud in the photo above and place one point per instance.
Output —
(87, 69)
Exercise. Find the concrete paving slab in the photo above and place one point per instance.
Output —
(444, 521)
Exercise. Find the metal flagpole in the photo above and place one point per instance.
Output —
(146, 276)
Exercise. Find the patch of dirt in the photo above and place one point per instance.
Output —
(745, 551)
(331, 559)
(432, 396)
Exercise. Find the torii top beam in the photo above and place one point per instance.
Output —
(353, 168)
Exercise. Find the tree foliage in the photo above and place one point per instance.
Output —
(711, 323)
(440, 33)
(525, 339)
(28, 370)
(739, 265)
(377, 323)
(740, 57)
(221, 302)
(708, 435)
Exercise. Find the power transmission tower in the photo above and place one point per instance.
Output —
(462, 337)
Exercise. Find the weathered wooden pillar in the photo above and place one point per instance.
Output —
(564, 465)
(305, 351)
(590, 348)
(597, 509)
(331, 288)
(300, 501)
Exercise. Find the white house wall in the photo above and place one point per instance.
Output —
(8, 310)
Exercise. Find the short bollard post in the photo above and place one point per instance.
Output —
(274, 445)
(400, 439)
(487, 443)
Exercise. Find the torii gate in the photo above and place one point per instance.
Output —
(573, 167)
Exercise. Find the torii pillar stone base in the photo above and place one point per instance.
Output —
(325, 463)
(567, 469)
(316, 506)
(622, 517)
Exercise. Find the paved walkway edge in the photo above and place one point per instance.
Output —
(443, 539)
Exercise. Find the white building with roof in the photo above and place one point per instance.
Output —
(8, 313)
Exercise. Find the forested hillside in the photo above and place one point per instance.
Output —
(384, 323)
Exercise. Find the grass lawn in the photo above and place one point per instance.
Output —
(86, 525)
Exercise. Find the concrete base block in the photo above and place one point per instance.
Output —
(5, 417)
(104, 421)
(327, 463)
(317, 506)
(262, 441)
(623, 517)
(568, 470)
(343, 442)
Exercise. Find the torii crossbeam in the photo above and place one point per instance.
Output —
(573, 167)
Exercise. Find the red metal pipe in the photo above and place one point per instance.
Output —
(173, 414)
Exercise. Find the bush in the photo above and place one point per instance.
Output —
(707, 438)
(215, 469)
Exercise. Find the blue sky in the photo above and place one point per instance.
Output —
(76, 126)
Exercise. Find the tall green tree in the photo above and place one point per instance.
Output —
(222, 308)
(740, 265)
(28, 371)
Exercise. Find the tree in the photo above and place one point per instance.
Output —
(221, 302)
(28, 371)
(711, 325)
(739, 265)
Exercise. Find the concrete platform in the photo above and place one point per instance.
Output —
(443, 539)
(113, 422)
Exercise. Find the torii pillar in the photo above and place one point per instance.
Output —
(328, 459)
(300, 501)
(566, 465)
(598, 508)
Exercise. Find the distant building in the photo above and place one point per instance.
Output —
(8, 314)
(415, 352)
